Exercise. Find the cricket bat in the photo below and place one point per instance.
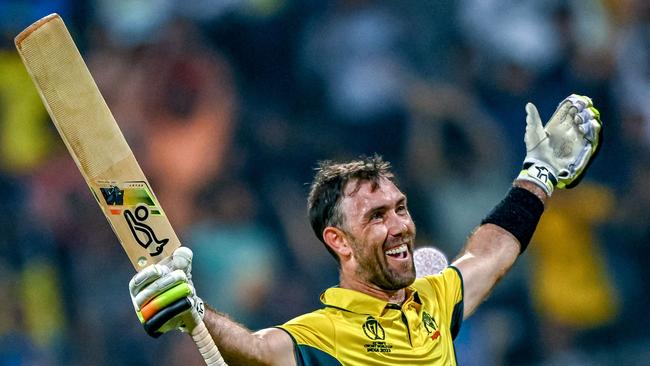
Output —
(100, 151)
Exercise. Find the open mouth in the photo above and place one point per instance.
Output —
(400, 252)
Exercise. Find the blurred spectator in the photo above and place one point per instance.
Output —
(356, 54)
(519, 33)
(633, 65)
(571, 289)
(183, 97)
(25, 136)
(235, 255)
(457, 168)
(456, 163)
(628, 233)
(228, 106)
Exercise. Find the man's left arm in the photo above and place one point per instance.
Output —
(557, 157)
(488, 255)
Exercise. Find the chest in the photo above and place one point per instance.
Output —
(408, 336)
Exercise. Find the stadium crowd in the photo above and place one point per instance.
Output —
(228, 105)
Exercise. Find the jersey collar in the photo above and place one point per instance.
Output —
(360, 303)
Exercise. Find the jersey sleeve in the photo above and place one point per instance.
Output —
(448, 289)
(313, 336)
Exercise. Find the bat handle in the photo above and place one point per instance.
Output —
(206, 345)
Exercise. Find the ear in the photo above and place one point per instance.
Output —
(336, 239)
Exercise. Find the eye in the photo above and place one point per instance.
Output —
(401, 208)
(377, 215)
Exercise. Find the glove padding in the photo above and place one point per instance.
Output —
(163, 295)
(559, 154)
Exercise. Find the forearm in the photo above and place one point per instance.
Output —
(557, 156)
(489, 254)
(238, 345)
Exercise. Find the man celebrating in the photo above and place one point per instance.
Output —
(380, 314)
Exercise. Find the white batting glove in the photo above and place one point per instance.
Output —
(559, 154)
(164, 297)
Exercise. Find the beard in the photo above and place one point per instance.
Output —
(375, 268)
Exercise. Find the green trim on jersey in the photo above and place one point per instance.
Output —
(459, 309)
(357, 329)
(311, 356)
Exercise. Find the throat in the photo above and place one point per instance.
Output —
(398, 297)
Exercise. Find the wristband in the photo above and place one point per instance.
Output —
(539, 174)
(518, 213)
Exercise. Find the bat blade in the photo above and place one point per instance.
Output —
(95, 141)
(101, 152)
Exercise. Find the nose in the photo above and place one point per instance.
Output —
(398, 225)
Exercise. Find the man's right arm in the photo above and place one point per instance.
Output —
(239, 346)
(164, 298)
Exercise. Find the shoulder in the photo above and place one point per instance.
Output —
(315, 329)
(449, 279)
(314, 338)
(443, 296)
(318, 318)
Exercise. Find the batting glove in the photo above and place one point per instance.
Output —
(559, 154)
(163, 295)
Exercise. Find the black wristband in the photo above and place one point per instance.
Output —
(518, 213)
(163, 316)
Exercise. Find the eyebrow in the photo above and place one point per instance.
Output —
(372, 211)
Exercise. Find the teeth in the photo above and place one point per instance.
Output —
(400, 249)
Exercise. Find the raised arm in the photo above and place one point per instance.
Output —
(557, 157)
(488, 255)
(164, 298)
(271, 346)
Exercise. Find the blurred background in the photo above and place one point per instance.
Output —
(229, 104)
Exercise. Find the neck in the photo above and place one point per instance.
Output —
(394, 297)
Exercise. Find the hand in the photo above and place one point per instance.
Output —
(558, 155)
(164, 297)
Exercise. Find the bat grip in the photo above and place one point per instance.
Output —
(206, 345)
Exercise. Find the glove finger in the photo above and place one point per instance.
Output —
(153, 325)
(580, 101)
(588, 126)
(159, 286)
(182, 259)
(584, 116)
(181, 290)
(145, 277)
(594, 135)
(534, 129)
(596, 113)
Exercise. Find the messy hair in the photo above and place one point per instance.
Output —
(327, 189)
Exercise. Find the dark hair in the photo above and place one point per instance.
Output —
(329, 183)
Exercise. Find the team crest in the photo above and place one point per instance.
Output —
(429, 324)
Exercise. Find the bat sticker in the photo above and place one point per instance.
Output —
(120, 196)
(143, 233)
(113, 195)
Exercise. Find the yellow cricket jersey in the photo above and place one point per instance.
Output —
(357, 329)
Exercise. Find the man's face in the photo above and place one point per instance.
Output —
(381, 233)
